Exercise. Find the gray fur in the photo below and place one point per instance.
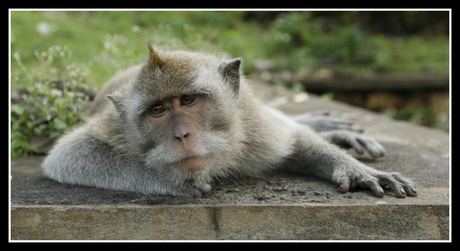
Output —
(116, 149)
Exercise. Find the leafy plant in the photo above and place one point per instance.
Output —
(51, 103)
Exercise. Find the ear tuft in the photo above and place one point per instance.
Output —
(230, 71)
(154, 59)
(116, 100)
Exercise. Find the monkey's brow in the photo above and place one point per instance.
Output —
(157, 101)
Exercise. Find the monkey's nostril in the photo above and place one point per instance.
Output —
(182, 136)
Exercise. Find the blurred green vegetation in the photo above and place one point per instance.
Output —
(77, 49)
(111, 40)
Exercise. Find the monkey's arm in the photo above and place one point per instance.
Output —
(81, 159)
(314, 156)
(334, 130)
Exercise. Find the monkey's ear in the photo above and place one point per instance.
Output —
(116, 100)
(154, 59)
(231, 72)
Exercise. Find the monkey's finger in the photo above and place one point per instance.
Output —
(380, 150)
(356, 145)
(345, 185)
(395, 186)
(410, 190)
(407, 185)
(374, 186)
(366, 144)
(398, 190)
(373, 148)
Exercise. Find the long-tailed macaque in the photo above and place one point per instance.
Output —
(172, 125)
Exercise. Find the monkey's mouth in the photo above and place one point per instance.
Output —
(194, 157)
(194, 163)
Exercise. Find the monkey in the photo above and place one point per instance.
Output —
(179, 121)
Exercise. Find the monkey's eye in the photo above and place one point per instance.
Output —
(158, 109)
(188, 99)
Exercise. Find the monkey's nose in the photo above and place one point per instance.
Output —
(181, 135)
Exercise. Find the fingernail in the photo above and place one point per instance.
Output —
(341, 189)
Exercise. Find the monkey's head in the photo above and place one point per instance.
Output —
(180, 115)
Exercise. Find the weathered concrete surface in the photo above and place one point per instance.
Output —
(277, 207)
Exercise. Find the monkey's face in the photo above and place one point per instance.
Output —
(180, 122)
(188, 130)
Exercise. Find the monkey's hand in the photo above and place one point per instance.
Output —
(320, 122)
(199, 190)
(374, 180)
(315, 156)
(356, 141)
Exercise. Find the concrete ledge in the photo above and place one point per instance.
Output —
(230, 222)
(276, 207)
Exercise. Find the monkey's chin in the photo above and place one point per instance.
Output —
(194, 164)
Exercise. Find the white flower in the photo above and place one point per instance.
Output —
(44, 28)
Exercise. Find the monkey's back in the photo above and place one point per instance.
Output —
(111, 86)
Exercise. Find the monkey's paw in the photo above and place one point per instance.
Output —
(375, 181)
(197, 190)
(353, 140)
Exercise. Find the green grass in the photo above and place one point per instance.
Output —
(112, 40)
